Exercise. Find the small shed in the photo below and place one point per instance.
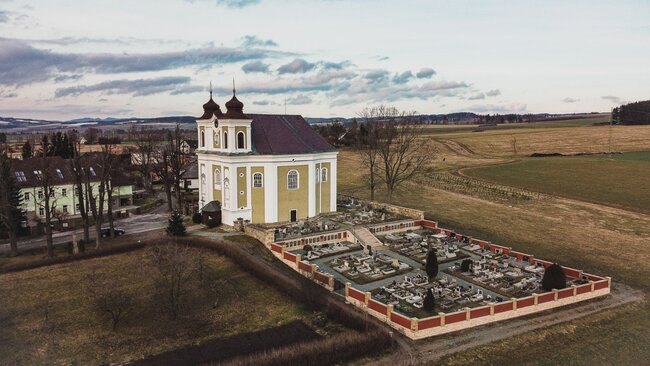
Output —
(211, 214)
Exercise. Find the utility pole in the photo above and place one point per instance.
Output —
(611, 120)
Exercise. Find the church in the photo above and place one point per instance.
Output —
(264, 168)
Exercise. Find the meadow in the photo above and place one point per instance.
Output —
(578, 231)
(620, 181)
(47, 317)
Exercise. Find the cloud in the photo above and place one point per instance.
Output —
(477, 96)
(140, 87)
(238, 3)
(493, 93)
(299, 99)
(570, 100)
(376, 76)
(425, 73)
(297, 66)
(8, 94)
(4, 16)
(67, 77)
(254, 41)
(255, 66)
(492, 108)
(442, 85)
(335, 65)
(20, 63)
(403, 77)
(612, 98)
(264, 102)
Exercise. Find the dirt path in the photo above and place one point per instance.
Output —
(435, 349)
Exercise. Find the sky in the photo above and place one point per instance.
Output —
(69, 59)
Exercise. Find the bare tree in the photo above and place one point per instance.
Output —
(143, 155)
(162, 170)
(107, 161)
(107, 298)
(79, 179)
(174, 266)
(90, 134)
(367, 145)
(177, 164)
(46, 198)
(402, 153)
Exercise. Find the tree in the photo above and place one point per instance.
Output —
(431, 266)
(466, 265)
(107, 161)
(175, 226)
(554, 278)
(27, 151)
(90, 134)
(143, 155)
(46, 198)
(177, 164)
(429, 301)
(11, 215)
(79, 178)
(173, 266)
(107, 298)
(403, 155)
(367, 145)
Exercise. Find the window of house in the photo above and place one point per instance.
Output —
(27, 196)
(217, 179)
(257, 180)
(76, 191)
(40, 194)
(292, 179)
(240, 140)
(64, 192)
(41, 211)
(323, 174)
(38, 174)
(65, 209)
(76, 207)
(52, 192)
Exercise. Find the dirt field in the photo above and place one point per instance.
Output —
(46, 317)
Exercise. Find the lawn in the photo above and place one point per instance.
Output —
(622, 181)
(47, 319)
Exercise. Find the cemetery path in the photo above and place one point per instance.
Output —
(435, 349)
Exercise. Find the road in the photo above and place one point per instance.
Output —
(135, 224)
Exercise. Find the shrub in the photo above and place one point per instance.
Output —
(432, 265)
(554, 278)
(429, 301)
(197, 218)
(175, 226)
(466, 265)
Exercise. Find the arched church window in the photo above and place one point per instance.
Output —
(225, 140)
(240, 140)
(292, 180)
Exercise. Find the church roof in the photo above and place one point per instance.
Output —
(276, 134)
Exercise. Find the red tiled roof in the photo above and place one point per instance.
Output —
(275, 134)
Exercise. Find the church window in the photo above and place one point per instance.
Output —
(217, 179)
(257, 180)
(202, 138)
(292, 179)
(323, 175)
(225, 140)
(240, 140)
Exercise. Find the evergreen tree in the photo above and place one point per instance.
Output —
(432, 265)
(176, 227)
(11, 214)
(27, 150)
(554, 278)
(429, 301)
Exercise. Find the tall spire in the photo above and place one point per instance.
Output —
(210, 89)
(233, 86)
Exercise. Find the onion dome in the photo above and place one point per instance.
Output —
(211, 108)
(235, 108)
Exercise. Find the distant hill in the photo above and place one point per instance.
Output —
(637, 113)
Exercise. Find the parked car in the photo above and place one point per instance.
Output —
(106, 232)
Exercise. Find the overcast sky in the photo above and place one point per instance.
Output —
(322, 58)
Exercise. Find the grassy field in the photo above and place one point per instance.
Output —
(596, 238)
(444, 129)
(622, 181)
(46, 318)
